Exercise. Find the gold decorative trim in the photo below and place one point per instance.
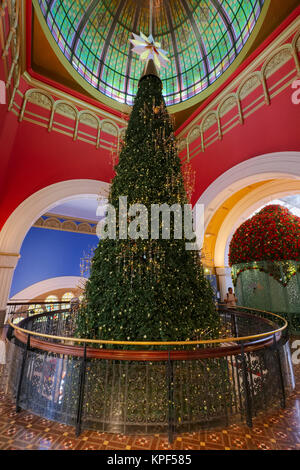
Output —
(68, 109)
(11, 46)
(211, 116)
(252, 74)
(67, 217)
(11, 254)
(50, 90)
(251, 109)
(160, 343)
(68, 224)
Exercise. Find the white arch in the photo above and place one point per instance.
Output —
(24, 216)
(262, 168)
(48, 285)
(279, 165)
(244, 208)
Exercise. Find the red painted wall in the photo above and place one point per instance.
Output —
(38, 158)
(274, 128)
(32, 158)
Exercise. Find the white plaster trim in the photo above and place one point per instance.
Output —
(25, 215)
(48, 285)
(264, 167)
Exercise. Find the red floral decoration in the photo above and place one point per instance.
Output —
(272, 234)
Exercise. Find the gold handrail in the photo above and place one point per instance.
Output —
(160, 343)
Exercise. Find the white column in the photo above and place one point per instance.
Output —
(225, 281)
(8, 262)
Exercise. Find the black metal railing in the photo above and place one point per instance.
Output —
(173, 389)
(25, 308)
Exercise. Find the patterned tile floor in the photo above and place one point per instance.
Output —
(277, 430)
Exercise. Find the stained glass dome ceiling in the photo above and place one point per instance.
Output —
(202, 37)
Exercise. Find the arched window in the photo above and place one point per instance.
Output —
(51, 299)
(34, 309)
(66, 298)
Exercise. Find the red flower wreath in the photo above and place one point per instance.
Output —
(272, 234)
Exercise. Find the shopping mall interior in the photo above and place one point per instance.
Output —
(229, 74)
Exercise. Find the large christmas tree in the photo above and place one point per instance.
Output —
(147, 289)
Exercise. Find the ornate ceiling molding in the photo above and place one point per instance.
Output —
(66, 224)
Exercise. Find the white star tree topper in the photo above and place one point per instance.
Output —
(148, 49)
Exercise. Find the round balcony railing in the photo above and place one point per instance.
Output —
(146, 387)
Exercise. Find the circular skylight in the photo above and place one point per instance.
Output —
(202, 37)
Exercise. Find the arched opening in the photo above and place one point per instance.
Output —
(235, 195)
(45, 290)
(28, 212)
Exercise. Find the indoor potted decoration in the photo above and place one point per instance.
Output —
(264, 256)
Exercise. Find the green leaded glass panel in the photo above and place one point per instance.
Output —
(202, 37)
(271, 286)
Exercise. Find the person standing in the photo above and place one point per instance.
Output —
(231, 299)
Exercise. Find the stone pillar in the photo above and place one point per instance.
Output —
(8, 262)
(225, 281)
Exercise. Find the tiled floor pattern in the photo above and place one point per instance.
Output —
(278, 430)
